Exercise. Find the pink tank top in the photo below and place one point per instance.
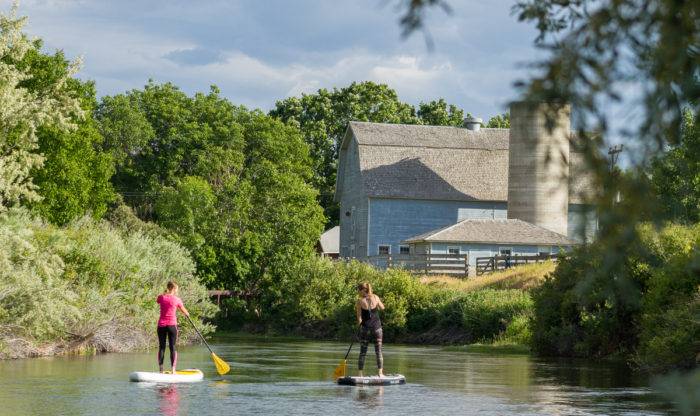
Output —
(168, 309)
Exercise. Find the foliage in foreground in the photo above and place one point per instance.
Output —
(86, 286)
(647, 310)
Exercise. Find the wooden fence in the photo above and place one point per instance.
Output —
(424, 263)
(491, 264)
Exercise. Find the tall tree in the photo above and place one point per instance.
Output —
(499, 121)
(75, 176)
(230, 184)
(24, 110)
(439, 113)
(675, 176)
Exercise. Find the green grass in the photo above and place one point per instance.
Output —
(520, 277)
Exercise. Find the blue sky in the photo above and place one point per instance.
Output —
(260, 51)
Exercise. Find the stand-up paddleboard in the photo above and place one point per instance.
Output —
(387, 380)
(181, 376)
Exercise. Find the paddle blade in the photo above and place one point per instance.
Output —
(340, 370)
(221, 366)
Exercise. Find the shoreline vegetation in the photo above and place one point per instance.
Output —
(87, 287)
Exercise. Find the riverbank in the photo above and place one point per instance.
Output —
(88, 287)
(490, 309)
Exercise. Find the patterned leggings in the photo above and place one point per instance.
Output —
(365, 336)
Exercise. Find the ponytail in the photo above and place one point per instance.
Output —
(366, 287)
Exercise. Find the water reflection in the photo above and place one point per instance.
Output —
(169, 400)
(370, 396)
(272, 376)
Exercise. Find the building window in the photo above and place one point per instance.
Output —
(544, 250)
(505, 251)
(384, 249)
(404, 249)
(453, 250)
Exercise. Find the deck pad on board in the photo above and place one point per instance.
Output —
(181, 376)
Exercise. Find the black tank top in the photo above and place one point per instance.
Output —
(370, 317)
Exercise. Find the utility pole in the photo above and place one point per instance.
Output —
(614, 153)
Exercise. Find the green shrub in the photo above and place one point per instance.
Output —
(88, 284)
(637, 301)
(484, 314)
(321, 300)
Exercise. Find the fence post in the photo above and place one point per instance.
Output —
(466, 265)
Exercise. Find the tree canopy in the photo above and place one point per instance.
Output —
(231, 185)
(75, 177)
(675, 175)
(29, 104)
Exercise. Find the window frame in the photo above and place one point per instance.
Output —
(459, 250)
(406, 246)
(501, 249)
(379, 249)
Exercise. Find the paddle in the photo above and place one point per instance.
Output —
(221, 366)
(342, 367)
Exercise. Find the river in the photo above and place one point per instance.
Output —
(290, 376)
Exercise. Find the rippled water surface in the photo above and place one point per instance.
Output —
(281, 376)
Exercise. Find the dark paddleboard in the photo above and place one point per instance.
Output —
(387, 380)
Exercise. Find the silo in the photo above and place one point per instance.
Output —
(538, 164)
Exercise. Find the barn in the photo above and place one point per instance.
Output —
(399, 183)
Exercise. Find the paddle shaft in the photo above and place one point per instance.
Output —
(352, 342)
(199, 333)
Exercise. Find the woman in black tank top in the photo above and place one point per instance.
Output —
(367, 309)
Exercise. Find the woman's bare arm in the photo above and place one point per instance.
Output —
(358, 313)
(380, 305)
(183, 309)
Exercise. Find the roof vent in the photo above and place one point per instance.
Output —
(473, 123)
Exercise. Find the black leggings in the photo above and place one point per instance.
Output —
(170, 332)
(365, 336)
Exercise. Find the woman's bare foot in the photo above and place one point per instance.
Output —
(381, 373)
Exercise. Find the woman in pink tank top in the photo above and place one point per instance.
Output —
(167, 324)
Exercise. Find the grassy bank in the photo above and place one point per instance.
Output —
(87, 287)
(491, 309)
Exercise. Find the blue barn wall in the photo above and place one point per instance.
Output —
(353, 227)
(488, 250)
(394, 220)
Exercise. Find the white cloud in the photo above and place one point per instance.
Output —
(256, 61)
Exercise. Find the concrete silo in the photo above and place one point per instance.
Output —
(538, 164)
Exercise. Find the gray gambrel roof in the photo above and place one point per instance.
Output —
(494, 231)
(434, 162)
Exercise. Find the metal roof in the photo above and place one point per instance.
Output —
(330, 241)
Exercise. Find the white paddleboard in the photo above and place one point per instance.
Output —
(387, 380)
(190, 375)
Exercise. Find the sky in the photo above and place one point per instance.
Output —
(261, 51)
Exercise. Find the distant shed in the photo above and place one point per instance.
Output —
(329, 243)
(490, 237)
